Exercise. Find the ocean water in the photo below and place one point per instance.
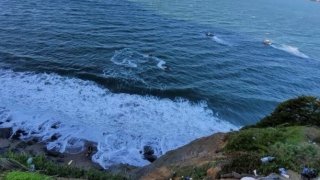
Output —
(126, 74)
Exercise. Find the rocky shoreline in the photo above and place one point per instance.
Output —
(291, 135)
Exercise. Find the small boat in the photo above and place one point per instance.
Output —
(267, 42)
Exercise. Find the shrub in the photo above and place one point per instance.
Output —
(304, 110)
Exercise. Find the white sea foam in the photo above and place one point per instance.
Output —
(130, 58)
(290, 49)
(161, 64)
(121, 124)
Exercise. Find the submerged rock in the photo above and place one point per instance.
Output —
(148, 153)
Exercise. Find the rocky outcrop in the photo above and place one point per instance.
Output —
(196, 153)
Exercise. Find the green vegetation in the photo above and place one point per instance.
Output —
(289, 145)
(304, 110)
(53, 169)
(284, 135)
(17, 175)
(260, 140)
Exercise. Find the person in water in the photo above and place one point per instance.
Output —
(209, 34)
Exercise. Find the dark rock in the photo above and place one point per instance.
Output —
(148, 150)
(18, 134)
(150, 158)
(90, 150)
(8, 120)
(55, 137)
(55, 125)
(5, 133)
(148, 153)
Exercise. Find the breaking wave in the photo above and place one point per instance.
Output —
(74, 110)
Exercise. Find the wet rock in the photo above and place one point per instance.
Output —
(55, 137)
(91, 150)
(150, 158)
(55, 125)
(5, 132)
(18, 134)
(148, 153)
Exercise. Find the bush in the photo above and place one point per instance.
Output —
(260, 140)
(304, 110)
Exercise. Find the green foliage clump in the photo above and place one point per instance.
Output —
(288, 145)
(304, 110)
(17, 175)
(255, 139)
(52, 169)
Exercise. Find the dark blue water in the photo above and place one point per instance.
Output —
(63, 56)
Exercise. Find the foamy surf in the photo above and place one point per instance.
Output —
(130, 58)
(290, 49)
(121, 124)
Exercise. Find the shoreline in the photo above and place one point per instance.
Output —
(291, 135)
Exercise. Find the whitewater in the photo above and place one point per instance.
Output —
(121, 124)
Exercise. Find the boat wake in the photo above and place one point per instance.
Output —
(221, 41)
(290, 49)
